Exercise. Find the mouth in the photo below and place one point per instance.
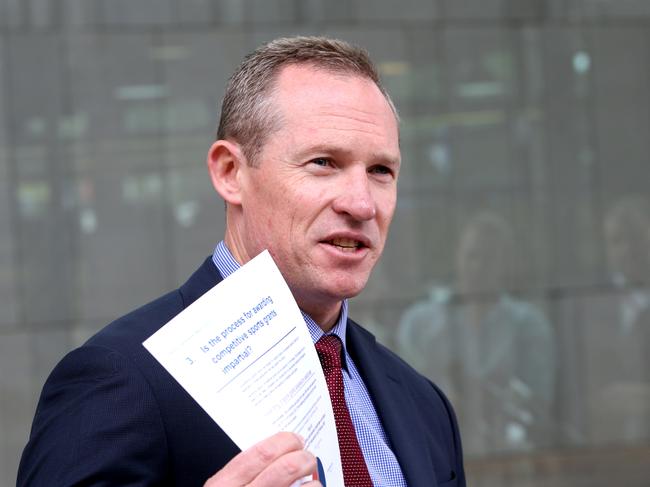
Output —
(346, 244)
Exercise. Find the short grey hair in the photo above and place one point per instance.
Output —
(247, 112)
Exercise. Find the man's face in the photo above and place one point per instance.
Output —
(480, 263)
(324, 192)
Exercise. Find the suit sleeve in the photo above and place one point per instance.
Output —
(96, 424)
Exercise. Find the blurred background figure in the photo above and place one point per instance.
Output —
(492, 353)
(627, 240)
(617, 333)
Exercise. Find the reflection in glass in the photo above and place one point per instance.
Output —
(34, 199)
(616, 330)
(627, 242)
(491, 352)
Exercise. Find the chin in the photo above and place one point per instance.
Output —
(349, 290)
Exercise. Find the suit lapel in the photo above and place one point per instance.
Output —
(204, 278)
(395, 407)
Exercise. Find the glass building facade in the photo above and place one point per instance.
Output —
(517, 272)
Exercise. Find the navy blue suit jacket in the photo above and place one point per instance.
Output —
(109, 414)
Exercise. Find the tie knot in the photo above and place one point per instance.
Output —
(329, 351)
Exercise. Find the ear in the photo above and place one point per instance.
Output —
(225, 161)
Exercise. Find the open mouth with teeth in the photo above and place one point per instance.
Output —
(346, 244)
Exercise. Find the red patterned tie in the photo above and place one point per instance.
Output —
(355, 472)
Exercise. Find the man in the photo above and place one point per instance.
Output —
(617, 326)
(491, 351)
(307, 160)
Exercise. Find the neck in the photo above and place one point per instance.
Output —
(236, 247)
(326, 318)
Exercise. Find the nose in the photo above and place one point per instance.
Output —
(355, 198)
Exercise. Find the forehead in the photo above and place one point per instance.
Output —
(310, 94)
(306, 88)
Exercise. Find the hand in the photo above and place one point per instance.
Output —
(277, 461)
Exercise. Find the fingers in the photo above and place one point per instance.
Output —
(286, 470)
(276, 461)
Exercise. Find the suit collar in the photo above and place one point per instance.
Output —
(204, 278)
(395, 407)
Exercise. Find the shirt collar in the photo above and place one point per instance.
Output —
(226, 264)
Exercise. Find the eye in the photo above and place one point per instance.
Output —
(321, 161)
(381, 170)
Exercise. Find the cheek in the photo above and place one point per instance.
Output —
(304, 207)
(387, 210)
(269, 209)
(385, 196)
(310, 193)
(269, 222)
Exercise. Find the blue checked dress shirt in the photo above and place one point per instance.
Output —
(380, 459)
